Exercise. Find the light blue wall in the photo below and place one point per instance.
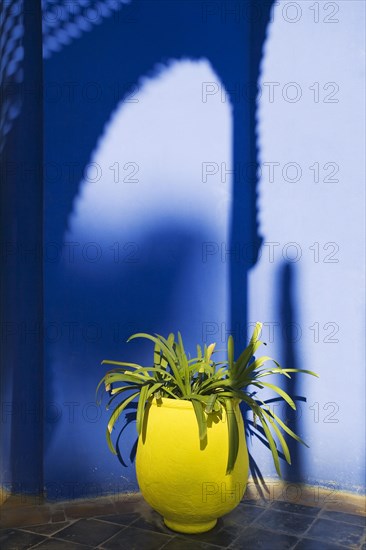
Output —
(321, 290)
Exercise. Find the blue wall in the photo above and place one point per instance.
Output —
(308, 285)
(157, 218)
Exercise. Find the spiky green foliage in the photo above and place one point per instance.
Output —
(210, 386)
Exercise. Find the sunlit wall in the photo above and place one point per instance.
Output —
(308, 285)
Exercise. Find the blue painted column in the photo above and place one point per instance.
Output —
(21, 272)
(245, 240)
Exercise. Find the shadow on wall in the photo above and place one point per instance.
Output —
(288, 319)
(287, 310)
(115, 304)
(160, 292)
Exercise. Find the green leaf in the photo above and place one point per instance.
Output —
(110, 379)
(199, 352)
(117, 392)
(201, 420)
(278, 390)
(168, 352)
(170, 392)
(209, 352)
(145, 393)
(132, 377)
(157, 354)
(122, 364)
(268, 371)
(249, 351)
(141, 408)
(230, 354)
(256, 332)
(270, 440)
(202, 398)
(184, 362)
(165, 374)
(283, 371)
(154, 390)
(113, 419)
(208, 386)
(233, 433)
(259, 363)
(282, 441)
(211, 403)
(286, 428)
(242, 363)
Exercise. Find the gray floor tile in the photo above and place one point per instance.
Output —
(336, 532)
(286, 506)
(120, 519)
(309, 544)
(14, 539)
(184, 544)
(223, 534)
(155, 523)
(348, 518)
(132, 538)
(276, 520)
(55, 544)
(89, 531)
(256, 502)
(256, 538)
(243, 514)
(46, 529)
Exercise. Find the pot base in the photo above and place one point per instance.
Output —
(190, 528)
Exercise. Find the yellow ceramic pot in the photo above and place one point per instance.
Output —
(183, 479)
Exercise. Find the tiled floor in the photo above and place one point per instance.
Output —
(253, 525)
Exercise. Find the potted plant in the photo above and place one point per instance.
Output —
(192, 459)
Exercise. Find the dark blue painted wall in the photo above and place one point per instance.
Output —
(21, 230)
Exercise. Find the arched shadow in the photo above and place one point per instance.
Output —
(220, 20)
(170, 30)
(142, 298)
